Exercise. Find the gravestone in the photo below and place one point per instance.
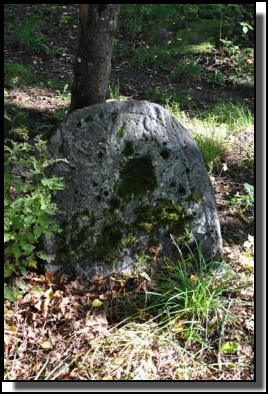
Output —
(135, 181)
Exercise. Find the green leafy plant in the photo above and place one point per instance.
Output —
(188, 71)
(29, 209)
(230, 347)
(18, 288)
(146, 15)
(244, 201)
(229, 48)
(246, 27)
(60, 116)
(15, 123)
(237, 56)
(114, 91)
(217, 77)
(65, 19)
(65, 95)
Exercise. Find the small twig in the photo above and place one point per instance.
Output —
(18, 174)
(41, 370)
(63, 362)
(221, 26)
(221, 336)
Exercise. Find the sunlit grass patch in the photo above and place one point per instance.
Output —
(138, 351)
(223, 119)
(212, 140)
(235, 116)
(202, 47)
(17, 75)
(211, 148)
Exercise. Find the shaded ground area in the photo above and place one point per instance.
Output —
(136, 73)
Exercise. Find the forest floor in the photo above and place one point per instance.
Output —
(53, 333)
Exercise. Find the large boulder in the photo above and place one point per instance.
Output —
(135, 182)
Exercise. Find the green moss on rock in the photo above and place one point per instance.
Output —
(121, 132)
(108, 245)
(146, 226)
(137, 178)
(195, 197)
(128, 149)
(164, 214)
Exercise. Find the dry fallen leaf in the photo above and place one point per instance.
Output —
(250, 325)
(46, 345)
(193, 279)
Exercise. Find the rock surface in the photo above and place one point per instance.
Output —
(134, 177)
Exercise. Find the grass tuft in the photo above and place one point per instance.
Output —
(30, 37)
(189, 295)
(17, 75)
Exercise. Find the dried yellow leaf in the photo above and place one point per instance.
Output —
(46, 345)
(193, 279)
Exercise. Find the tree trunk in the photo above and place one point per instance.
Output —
(92, 63)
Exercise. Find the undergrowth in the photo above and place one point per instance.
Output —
(29, 209)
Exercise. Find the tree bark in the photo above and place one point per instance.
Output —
(92, 63)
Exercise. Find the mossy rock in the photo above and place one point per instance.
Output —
(135, 181)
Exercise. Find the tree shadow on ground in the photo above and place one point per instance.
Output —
(37, 122)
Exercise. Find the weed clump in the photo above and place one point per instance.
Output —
(29, 209)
